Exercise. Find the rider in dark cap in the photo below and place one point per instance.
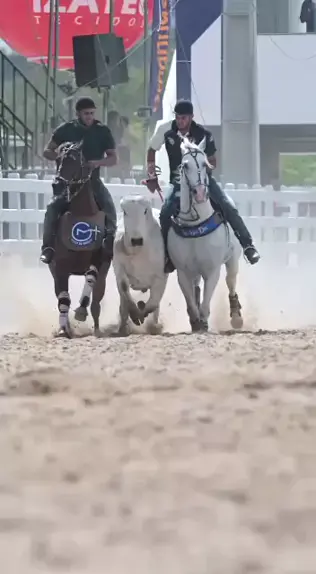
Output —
(85, 103)
(97, 141)
(183, 108)
(184, 125)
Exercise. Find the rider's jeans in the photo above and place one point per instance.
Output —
(220, 199)
(170, 207)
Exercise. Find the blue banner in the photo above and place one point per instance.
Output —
(159, 56)
(193, 17)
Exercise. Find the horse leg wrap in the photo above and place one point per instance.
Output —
(90, 281)
(63, 307)
(234, 304)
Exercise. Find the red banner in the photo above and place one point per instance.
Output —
(24, 24)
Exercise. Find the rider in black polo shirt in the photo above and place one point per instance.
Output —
(184, 125)
(97, 140)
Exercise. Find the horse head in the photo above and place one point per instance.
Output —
(194, 170)
(73, 172)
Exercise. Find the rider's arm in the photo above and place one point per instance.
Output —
(155, 144)
(109, 149)
(210, 148)
(59, 136)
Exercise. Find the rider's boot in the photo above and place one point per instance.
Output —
(165, 223)
(220, 199)
(107, 244)
(47, 255)
(169, 266)
(251, 254)
(50, 227)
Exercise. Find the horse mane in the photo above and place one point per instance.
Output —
(189, 145)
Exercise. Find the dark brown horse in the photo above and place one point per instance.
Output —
(79, 241)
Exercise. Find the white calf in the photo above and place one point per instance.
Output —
(138, 260)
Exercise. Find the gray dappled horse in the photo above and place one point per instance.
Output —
(200, 242)
(79, 241)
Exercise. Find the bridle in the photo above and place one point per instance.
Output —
(74, 152)
(192, 152)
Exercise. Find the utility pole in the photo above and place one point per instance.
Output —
(146, 78)
(106, 91)
(240, 121)
(56, 59)
(49, 70)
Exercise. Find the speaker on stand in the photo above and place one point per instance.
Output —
(100, 62)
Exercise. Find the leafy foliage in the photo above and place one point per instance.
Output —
(298, 169)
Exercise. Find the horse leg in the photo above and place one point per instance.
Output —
(124, 315)
(209, 287)
(97, 296)
(64, 307)
(232, 268)
(61, 286)
(154, 327)
(157, 290)
(187, 287)
(91, 276)
(126, 301)
(197, 291)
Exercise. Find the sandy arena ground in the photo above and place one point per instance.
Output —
(173, 454)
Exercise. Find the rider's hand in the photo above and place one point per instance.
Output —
(94, 163)
(153, 185)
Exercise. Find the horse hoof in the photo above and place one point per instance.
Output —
(137, 320)
(195, 326)
(97, 333)
(123, 331)
(63, 334)
(154, 329)
(141, 305)
(236, 321)
(81, 314)
(204, 326)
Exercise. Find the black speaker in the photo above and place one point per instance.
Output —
(100, 60)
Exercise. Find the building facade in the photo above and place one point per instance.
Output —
(286, 63)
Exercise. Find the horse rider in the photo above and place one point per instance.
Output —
(97, 141)
(184, 125)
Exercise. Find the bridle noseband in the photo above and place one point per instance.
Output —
(192, 153)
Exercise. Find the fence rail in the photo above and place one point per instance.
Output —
(282, 223)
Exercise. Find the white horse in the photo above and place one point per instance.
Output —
(199, 242)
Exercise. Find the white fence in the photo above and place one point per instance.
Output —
(282, 223)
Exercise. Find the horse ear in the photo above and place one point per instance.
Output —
(201, 145)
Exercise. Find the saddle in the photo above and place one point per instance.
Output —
(82, 233)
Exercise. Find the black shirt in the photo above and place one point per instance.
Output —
(173, 142)
(97, 139)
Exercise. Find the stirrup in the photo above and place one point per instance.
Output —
(47, 255)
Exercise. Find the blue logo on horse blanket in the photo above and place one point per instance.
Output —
(200, 230)
(84, 233)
